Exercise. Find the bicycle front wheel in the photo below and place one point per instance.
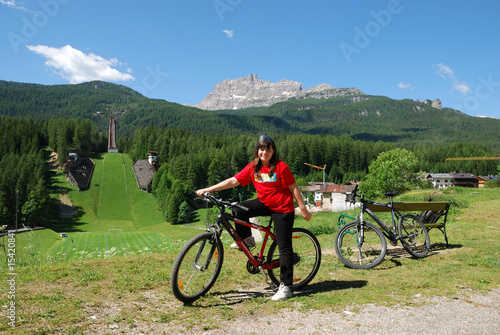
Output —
(414, 236)
(197, 267)
(306, 258)
(360, 248)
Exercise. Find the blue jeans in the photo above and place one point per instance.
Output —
(283, 225)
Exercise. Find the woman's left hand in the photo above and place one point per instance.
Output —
(306, 214)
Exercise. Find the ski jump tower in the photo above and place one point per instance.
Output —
(112, 135)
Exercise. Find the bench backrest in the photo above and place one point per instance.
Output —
(413, 206)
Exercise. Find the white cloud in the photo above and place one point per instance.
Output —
(404, 86)
(462, 87)
(12, 4)
(229, 33)
(77, 67)
(445, 72)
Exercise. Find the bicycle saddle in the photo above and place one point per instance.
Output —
(391, 194)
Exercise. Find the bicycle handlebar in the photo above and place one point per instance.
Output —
(354, 194)
(220, 202)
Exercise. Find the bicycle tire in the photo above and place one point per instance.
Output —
(307, 258)
(414, 236)
(197, 267)
(357, 255)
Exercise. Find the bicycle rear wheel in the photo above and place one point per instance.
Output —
(197, 267)
(306, 254)
(414, 236)
(360, 249)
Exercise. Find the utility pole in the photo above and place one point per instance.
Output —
(17, 196)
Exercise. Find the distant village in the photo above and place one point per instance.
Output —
(330, 195)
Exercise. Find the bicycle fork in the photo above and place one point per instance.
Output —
(213, 242)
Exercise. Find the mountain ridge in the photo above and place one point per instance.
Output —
(251, 91)
(361, 116)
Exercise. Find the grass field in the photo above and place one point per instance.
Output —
(113, 201)
(119, 294)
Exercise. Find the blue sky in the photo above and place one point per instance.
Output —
(179, 50)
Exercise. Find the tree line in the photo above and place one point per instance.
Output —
(190, 160)
(25, 180)
(364, 117)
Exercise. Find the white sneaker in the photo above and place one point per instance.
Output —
(249, 241)
(283, 293)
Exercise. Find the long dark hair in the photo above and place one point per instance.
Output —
(264, 142)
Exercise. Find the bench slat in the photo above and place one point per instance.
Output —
(412, 206)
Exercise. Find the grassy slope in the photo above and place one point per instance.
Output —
(113, 201)
(128, 291)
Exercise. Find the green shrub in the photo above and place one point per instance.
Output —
(323, 228)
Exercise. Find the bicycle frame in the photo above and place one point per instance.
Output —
(390, 234)
(257, 261)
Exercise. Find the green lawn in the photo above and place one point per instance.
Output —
(113, 201)
(133, 289)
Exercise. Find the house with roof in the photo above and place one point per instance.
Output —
(79, 170)
(465, 180)
(440, 180)
(330, 195)
(144, 170)
(484, 179)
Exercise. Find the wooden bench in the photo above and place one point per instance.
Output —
(431, 213)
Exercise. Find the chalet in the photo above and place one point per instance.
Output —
(144, 170)
(79, 170)
(330, 195)
(465, 180)
(484, 179)
(440, 180)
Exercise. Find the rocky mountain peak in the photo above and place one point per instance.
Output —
(252, 91)
(437, 104)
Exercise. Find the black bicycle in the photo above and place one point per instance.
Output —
(199, 262)
(361, 245)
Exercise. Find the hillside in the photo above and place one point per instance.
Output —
(360, 116)
(113, 201)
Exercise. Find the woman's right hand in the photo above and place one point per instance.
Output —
(200, 192)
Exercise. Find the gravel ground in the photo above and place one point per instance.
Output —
(469, 313)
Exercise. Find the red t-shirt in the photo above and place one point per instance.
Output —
(272, 191)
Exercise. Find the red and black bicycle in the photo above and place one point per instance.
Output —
(199, 262)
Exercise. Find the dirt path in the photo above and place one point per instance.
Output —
(469, 314)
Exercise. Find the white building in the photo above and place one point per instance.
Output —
(440, 180)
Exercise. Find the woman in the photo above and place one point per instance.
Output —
(276, 189)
